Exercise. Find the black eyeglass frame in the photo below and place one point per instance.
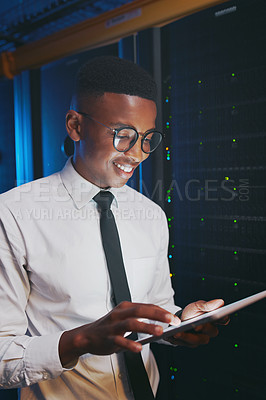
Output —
(117, 130)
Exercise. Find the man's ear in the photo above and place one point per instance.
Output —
(73, 125)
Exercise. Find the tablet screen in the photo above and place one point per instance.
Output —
(211, 316)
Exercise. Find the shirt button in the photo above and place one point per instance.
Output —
(45, 375)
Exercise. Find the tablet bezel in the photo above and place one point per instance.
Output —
(211, 316)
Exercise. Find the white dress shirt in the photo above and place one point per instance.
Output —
(54, 278)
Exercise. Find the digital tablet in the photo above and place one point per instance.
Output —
(211, 316)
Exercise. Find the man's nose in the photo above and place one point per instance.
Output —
(136, 152)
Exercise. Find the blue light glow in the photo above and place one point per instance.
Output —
(23, 129)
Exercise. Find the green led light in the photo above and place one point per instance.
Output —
(169, 219)
(236, 390)
(235, 284)
(203, 279)
(175, 369)
(200, 112)
(170, 87)
(234, 140)
(168, 191)
(234, 188)
(170, 116)
(233, 107)
(202, 219)
(235, 252)
(226, 178)
(173, 246)
(236, 345)
(199, 81)
(233, 74)
(235, 220)
(200, 143)
(171, 368)
(170, 226)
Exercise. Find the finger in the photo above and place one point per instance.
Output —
(134, 325)
(139, 310)
(207, 306)
(208, 329)
(199, 307)
(223, 321)
(127, 344)
(191, 339)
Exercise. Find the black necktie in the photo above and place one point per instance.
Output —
(111, 243)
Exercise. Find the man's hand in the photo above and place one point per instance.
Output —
(203, 333)
(106, 335)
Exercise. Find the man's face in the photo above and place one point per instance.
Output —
(96, 159)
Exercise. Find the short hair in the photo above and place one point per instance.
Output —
(114, 75)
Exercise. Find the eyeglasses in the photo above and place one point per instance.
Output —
(126, 136)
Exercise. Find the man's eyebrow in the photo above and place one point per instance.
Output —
(116, 125)
(121, 124)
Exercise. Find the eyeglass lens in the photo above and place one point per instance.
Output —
(125, 139)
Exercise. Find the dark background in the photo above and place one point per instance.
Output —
(209, 176)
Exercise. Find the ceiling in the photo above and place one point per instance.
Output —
(24, 21)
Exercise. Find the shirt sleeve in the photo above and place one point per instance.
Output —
(162, 293)
(24, 360)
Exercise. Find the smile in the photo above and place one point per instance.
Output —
(123, 167)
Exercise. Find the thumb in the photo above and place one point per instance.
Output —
(200, 307)
(206, 306)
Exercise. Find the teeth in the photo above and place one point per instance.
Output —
(124, 168)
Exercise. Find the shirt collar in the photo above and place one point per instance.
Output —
(79, 189)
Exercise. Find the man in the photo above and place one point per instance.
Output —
(61, 333)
